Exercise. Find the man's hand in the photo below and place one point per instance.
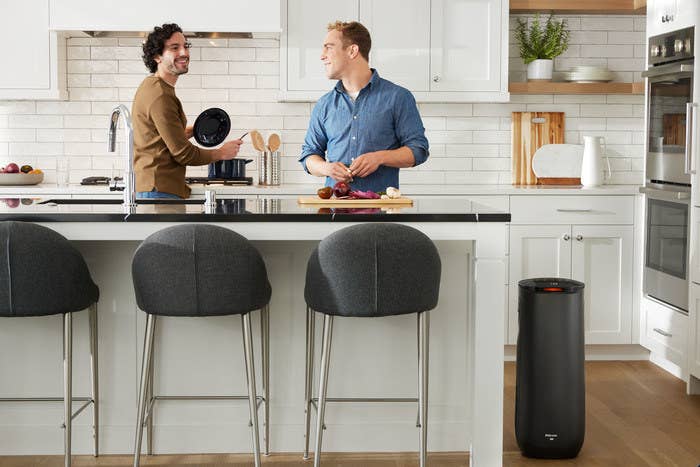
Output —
(338, 172)
(366, 164)
(189, 131)
(228, 150)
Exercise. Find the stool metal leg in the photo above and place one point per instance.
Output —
(145, 373)
(323, 384)
(265, 348)
(252, 393)
(94, 376)
(309, 381)
(149, 398)
(423, 341)
(67, 385)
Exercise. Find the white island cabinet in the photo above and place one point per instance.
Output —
(585, 238)
(203, 355)
(441, 50)
(33, 56)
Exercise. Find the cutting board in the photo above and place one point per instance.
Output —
(355, 203)
(674, 129)
(529, 132)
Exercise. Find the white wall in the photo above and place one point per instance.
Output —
(470, 143)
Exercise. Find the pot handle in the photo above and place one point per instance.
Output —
(248, 161)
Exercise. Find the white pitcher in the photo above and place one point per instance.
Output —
(592, 171)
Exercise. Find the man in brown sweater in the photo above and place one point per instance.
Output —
(161, 147)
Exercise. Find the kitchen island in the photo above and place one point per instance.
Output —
(203, 356)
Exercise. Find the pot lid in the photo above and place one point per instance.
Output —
(212, 127)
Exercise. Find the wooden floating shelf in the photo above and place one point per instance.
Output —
(586, 7)
(547, 87)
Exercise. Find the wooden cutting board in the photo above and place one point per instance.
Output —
(355, 203)
(529, 132)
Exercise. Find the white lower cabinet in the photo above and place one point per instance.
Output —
(664, 331)
(600, 256)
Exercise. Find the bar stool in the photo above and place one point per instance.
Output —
(364, 271)
(201, 270)
(42, 274)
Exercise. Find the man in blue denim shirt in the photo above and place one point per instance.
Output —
(365, 129)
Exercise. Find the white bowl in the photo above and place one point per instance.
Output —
(21, 179)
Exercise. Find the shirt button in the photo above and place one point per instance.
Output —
(353, 137)
(354, 117)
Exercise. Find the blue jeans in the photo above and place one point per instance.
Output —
(156, 194)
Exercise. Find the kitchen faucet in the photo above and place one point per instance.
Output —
(129, 179)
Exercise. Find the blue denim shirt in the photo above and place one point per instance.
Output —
(384, 116)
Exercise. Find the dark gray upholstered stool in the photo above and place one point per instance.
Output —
(366, 271)
(42, 274)
(201, 270)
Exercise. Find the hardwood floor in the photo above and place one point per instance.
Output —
(636, 415)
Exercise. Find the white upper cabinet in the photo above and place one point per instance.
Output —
(302, 42)
(34, 58)
(441, 50)
(400, 53)
(139, 15)
(466, 45)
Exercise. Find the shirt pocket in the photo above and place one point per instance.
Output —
(380, 128)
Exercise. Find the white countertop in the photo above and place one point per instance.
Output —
(44, 190)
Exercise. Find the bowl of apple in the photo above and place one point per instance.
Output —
(12, 174)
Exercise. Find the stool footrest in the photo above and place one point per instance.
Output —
(366, 399)
(149, 408)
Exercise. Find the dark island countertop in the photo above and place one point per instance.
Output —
(424, 209)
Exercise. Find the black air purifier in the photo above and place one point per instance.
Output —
(550, 391)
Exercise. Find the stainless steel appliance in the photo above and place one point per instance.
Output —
(669, 109)
(670, 113)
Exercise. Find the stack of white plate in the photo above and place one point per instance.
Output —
(588, 74)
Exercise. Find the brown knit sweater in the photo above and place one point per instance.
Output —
(161, 150)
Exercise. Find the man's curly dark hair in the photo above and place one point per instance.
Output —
(155, 43)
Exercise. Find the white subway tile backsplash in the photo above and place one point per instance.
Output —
(417, 177)
(579, 99)
(17, 135)
(87, 121)
(607, 51)
(446, 163)
(229, 81)
(115, 53)
(494, 137)
(17, 107)
(434, 123)
(78, 53)
(497, 110)
(78, 81)
(3, 121)
(471, 178)
(298, 109)
(626, 37)
(584, 124)
(491, 164)
(610, 110)
(254, 68)
(571, 110)
(131, 66)
(624, 123)
(268, 82)
(4, 149)
(63, 108)
(449, 137)
(93, 94)
(102, 41)
(118, 81)
(35, 121)
(35, 149)
(92, 66)
(445, 110)
(208, 67)
(470, 150)
(607, 23)
(589, 37)
(470, 123)
(267, 54)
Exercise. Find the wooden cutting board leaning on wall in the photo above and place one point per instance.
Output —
(529, 132)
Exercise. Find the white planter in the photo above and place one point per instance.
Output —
(540, 70)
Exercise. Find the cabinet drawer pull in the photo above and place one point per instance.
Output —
(662, 332)
(573, 210)
(566, 237)
(436, 78)
(579, 238)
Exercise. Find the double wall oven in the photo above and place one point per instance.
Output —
(668, 166)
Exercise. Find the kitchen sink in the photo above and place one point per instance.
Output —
(119, 201)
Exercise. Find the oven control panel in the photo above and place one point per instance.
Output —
(672, 46)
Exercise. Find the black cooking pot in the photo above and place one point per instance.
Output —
(229, 169)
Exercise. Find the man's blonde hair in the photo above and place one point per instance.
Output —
(354, 33)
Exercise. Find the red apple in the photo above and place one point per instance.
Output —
(12, 168)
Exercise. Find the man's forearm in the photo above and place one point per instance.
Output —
(399, 158)
(316, 166)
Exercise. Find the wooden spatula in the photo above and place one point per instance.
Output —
(273, 142)
(258, 141)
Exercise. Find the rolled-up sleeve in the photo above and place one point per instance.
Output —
(316, 141)
(165, 116)
(409, 127)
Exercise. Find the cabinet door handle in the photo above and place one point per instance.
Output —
(579, 238)
(574, 210)
(436, 78)
(662, 332)
(566, 237)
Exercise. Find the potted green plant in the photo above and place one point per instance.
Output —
(538, 45)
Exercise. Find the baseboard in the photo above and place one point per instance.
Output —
(600, 352)
(669, 366)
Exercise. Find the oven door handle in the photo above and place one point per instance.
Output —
(669, 69)
(666, 195)
(689, 134)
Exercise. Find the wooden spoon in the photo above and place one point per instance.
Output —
(258, 141)
(273, 142)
